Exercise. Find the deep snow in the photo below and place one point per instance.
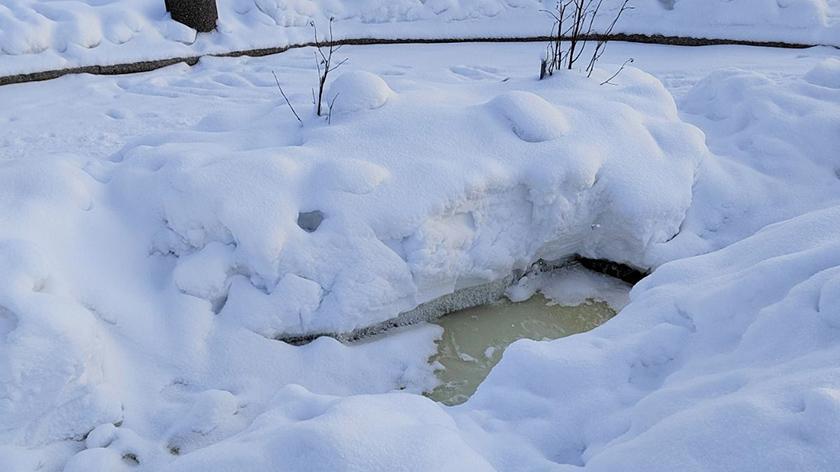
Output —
(150, 250)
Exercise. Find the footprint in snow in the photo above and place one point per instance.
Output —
(477, 72)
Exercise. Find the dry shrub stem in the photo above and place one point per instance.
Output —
(277, 81)
(324, 63)
(574, 22)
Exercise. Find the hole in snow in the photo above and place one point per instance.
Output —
(473, 339)
(667, 4)
(131, 458)
(309, 221)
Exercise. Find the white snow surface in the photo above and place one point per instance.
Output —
(37, 35)
(150, 251)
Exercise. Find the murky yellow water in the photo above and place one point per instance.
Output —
(474, 339)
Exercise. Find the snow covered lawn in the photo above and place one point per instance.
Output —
(150, 252)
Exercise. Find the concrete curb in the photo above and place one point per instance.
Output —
(145, 66)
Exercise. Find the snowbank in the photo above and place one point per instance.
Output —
(37, 35)
(776, 142)
(726, 360)
(513, 183)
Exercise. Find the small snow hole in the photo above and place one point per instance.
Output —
(310, 221)
(131, 458)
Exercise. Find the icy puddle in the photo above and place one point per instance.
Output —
(474, 339)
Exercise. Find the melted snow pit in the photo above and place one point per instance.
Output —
(474, 339)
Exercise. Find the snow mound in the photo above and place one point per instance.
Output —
(305, 431)
(826, 74)
(533, 119)
(497, 203)
(358, 91)
(775, 141)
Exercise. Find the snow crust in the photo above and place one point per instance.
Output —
(37, 35)
(142, 281)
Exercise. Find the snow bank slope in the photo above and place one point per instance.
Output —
(40, 35)
(775, 141)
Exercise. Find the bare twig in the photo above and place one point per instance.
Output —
(330, 108)
(628, 61)
(277, 81)
(324, 62)
(574, 22)
(592, 12)
(601, 45)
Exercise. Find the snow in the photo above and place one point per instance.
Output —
(532, 118)
(779, 141)
(151, 251)
(359, 91)
(825, 74)
(227, 207)
(38, 35)
(310, 431)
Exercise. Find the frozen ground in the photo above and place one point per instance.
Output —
(150, 250)
(37, 35)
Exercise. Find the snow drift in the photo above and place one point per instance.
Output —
(509, 189)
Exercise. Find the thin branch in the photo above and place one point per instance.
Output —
(343, 61)
(277, 81)
(330, 108)
(617, 72)
(600, 46)
(324, 62)
(575, 22)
